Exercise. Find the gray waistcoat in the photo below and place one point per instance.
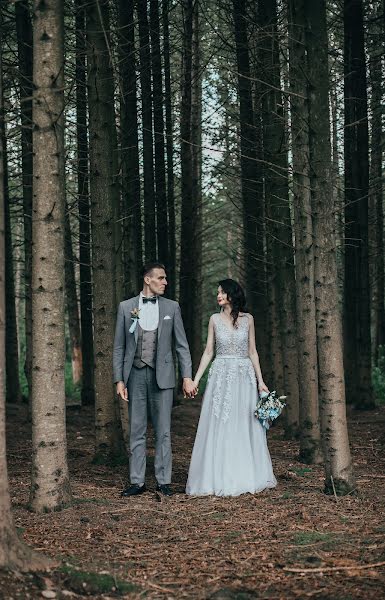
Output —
(146, 348)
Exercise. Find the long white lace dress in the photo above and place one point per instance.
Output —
(230, 455)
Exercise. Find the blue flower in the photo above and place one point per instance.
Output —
(269, 407)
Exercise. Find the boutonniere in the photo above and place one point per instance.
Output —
(135, 318)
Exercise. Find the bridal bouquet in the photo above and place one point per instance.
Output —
(269, 407)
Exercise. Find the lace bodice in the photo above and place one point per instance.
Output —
(231, 342)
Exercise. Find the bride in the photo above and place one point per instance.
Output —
(230, 455)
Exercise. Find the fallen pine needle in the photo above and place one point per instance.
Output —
(113, 511)
(344, 568)
(159, 587)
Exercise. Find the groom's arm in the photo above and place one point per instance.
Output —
(181, 346)
(119, 346)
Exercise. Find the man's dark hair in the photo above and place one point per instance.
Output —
(148, 267)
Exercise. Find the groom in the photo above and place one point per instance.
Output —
(144, 373)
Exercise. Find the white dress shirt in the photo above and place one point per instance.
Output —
(149, 314)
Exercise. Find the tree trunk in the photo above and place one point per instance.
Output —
(337, 193)
(148, 158)
(376, 189)
(188, 271)
(85, 291)
(13, 393)
(169, 153)
(338, 463)
(72, 303)
(19, 289)
(251, 180)
(102, 138)
(13, 554)
(275, 338)
(50, 488)
(310, 450)
(25, 57)
(130, 150)
(275, 148)
(160, 166)
(132, 226)
(196, 183)
(116, 197)
(357, 346)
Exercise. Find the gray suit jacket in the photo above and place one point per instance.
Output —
(125, 343)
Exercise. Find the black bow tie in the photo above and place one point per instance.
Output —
(152, 299)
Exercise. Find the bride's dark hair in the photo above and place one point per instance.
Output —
(236, 297)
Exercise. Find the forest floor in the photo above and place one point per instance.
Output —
(289, 542)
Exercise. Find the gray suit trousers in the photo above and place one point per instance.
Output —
(143, 394)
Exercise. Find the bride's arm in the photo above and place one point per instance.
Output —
(253, 354)
(207, 354)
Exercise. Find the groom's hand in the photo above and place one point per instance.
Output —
(189, 388)
(121, 390)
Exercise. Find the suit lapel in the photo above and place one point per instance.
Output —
(135, 304)
(162, 313)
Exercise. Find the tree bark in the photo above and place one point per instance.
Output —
(13, 393)
(337, 192)
(196, 183)
(132, 225)
(188, 267)
(169, 152)
(160, 165)
(108, 440)
(50, 487)
(19, 291)
(275, 339)
(25, 57)
(130, 150)
(72, 303)
(13, 554)
(276, 185)
(251, 180)
(338, 463)
(150, 244)
(85, 286)
(357, 345)
(310, 437)
(376, 188)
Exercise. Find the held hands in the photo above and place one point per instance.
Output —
(190, 390)
(122, 391)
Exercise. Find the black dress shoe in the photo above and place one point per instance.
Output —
(133, 490)
(164, 489)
